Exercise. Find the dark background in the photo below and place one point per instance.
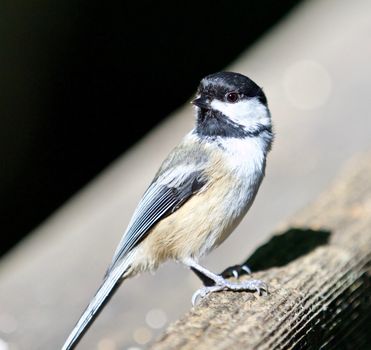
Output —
(81, 81)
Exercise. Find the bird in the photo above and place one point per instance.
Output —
(200, 193)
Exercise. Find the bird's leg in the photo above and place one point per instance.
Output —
(216, 283)
(207, 281)
(235, 271)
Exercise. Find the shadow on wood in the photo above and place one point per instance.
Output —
(283, 248)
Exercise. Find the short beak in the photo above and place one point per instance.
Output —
(201, 102)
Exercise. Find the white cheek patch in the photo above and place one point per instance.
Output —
(248, 113)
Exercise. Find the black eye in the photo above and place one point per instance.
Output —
(232, 97)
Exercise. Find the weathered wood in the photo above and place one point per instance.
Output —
(318, 300)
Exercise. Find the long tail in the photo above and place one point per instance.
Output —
(110, 284)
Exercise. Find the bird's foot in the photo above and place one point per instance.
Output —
(236, 271)
(222, 284)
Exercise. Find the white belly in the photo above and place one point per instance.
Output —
(245, 162)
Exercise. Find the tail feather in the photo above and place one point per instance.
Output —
(110, 284)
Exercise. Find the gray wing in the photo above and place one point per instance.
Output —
(165, 195)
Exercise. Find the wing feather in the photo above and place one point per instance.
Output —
(164, 196)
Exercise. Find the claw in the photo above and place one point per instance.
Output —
(262, 287)
(204, 291)
(246, 269)
(236, 271)
(195, 297)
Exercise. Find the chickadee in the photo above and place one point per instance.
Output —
(200, 193)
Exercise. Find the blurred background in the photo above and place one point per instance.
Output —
(93, 97)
